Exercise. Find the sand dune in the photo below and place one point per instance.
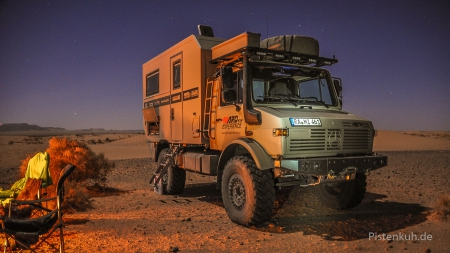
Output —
(133, 147)
(407, 141)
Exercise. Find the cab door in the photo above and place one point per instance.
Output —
(230, 113)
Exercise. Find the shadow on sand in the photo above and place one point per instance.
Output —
(298, 210)
(206, 192)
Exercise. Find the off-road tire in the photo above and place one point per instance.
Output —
(342, 195)
(248, 193)
(174, 179)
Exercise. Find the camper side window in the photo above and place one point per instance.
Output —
(152, 86)
(176, 75)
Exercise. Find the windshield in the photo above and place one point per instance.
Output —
(278, 84)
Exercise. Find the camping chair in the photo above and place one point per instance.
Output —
(37, 172)
(34, 232)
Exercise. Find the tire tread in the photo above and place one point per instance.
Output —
(263, 186)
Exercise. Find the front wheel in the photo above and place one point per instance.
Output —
(248, 193)
(174, 179)
(342, 195)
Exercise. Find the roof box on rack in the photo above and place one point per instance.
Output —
(241, 41)
(292, 43)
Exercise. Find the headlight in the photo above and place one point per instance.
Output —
(280, 132)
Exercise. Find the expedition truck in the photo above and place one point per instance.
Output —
(257, 115)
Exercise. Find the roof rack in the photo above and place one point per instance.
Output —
(264, 54)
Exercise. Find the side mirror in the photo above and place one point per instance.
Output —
(338, 86)
(229, 96)
(227, 77)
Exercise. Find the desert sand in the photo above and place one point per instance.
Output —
(396, 214)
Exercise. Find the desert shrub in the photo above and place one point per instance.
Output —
(90, 169)
(442, 208)
(77, 197)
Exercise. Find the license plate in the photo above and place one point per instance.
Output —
(305, 122)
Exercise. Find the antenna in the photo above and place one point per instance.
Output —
(332, 42)
(267, 26)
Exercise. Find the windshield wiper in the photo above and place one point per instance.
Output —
(315, 100)
(282, 97)
(295, 99)
(322, 103)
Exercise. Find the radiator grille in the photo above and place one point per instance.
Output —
(333, 139)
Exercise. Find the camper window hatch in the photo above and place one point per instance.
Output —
(176, 74)
(152, 85)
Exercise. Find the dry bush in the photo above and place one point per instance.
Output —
(442, 209)
(30, 190)
(90, 169)
(76, 197)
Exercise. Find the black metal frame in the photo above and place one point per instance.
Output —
(270, 55)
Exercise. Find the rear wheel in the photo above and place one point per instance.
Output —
(248, 193)
(342, 195)
(175, 178)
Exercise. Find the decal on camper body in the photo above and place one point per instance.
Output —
(172, 99)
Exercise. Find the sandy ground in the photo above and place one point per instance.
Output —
(398, 203)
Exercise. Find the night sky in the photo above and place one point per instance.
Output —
(78, 64)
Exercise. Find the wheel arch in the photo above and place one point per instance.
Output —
(244, 146)
(159, 147)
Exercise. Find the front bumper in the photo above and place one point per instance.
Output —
(313, 171)
(334, 165)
